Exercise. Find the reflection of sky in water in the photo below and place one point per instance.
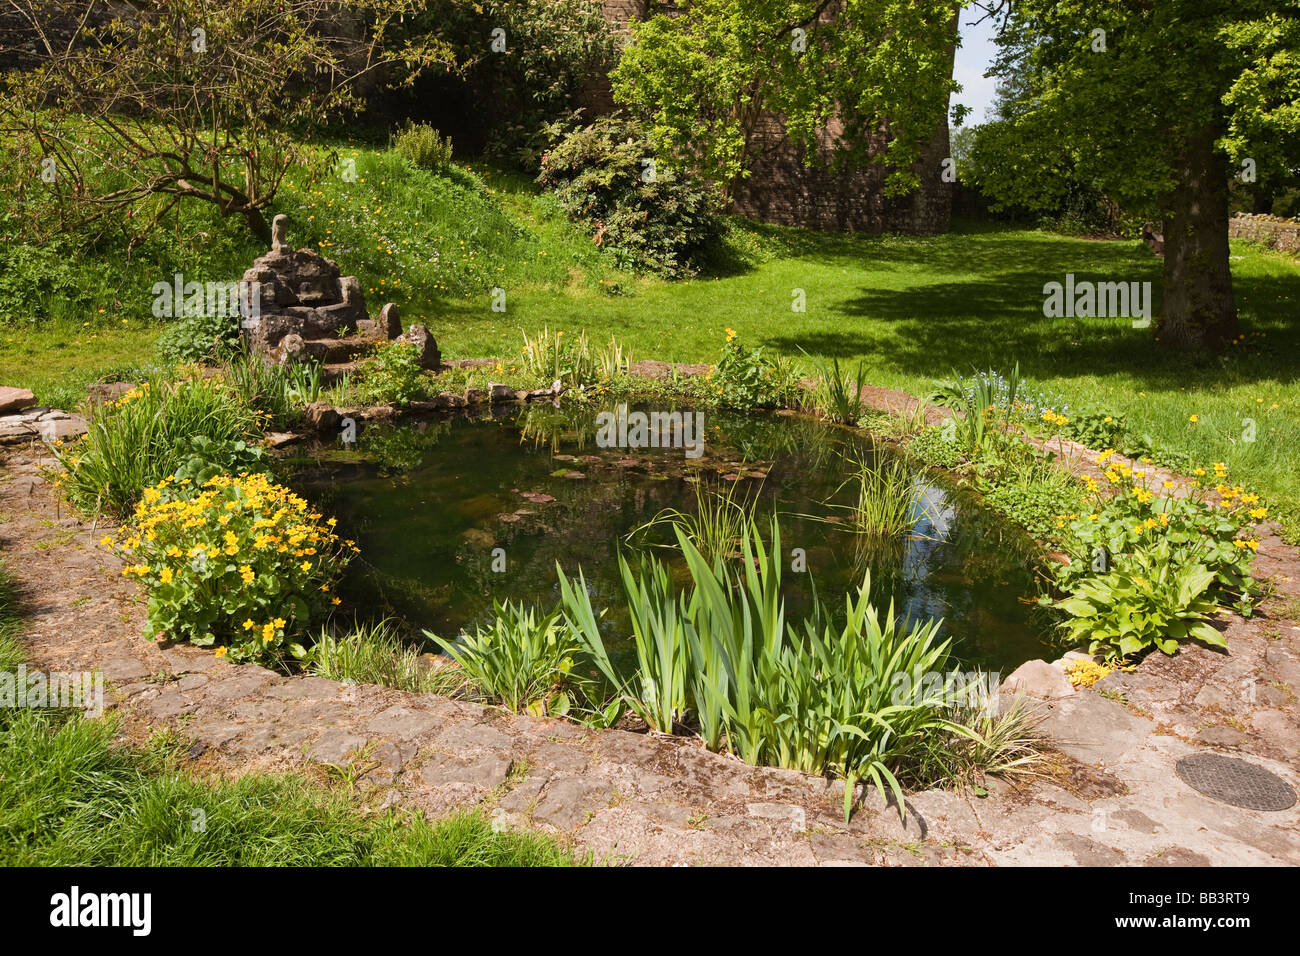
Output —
(934, 519)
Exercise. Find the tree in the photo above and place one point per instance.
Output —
(127, 110)
(1158, 104)
(705, 78)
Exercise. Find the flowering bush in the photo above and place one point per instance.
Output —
(238, 563)
(746, 378)
(1146, 565)
(1199, 529)
(1147, 598)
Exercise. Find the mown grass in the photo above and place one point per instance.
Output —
(912, 309)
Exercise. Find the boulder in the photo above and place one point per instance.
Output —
(418, 335)
(47, 424)
(501, 393)
(15, 399)
(322, 416)
(1038, 679)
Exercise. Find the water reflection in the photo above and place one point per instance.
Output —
(428, 504)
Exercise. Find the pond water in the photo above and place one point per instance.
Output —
(429, 502)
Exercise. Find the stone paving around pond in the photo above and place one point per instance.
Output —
(639, 799)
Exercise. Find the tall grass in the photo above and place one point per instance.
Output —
(523, 660)
(11, 654)
(276, 392)
(70, 796)
(845, 699)
(716, 523)
(140, 439)
(885, 496)
(372, 654)
(838, 396)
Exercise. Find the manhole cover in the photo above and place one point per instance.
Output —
(1236, 782)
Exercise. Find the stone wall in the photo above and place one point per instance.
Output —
(1274, 231)
(783, 189)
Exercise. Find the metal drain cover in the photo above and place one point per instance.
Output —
(1236, 782)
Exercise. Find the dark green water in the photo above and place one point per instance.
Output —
(429, 502)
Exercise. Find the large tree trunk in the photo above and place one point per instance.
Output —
(1199, 310)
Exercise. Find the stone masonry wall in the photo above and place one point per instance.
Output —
(1273, 231)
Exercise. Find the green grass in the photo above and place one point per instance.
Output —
(71, 795)
(912, 309)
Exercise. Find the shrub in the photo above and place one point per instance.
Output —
(239, 563)
(652, 218)
(424, 146)
(393, 376)
(144, 436)
(746, 378)
(210, 339)
(207, 458)
(931, 447)
(1147, 598)
(1096, 428)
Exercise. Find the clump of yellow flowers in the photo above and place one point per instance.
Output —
(239, 564)
(1084, 671)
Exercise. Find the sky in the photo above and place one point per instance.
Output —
(974, 56)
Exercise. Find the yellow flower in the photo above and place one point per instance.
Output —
(249, 625)
(335, 601)
(219, 652)
(165, 575)
(1193, 418)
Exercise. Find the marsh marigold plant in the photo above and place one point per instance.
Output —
(238, 564)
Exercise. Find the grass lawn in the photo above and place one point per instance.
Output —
(913, 309)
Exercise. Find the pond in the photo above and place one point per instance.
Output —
(451, 515)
